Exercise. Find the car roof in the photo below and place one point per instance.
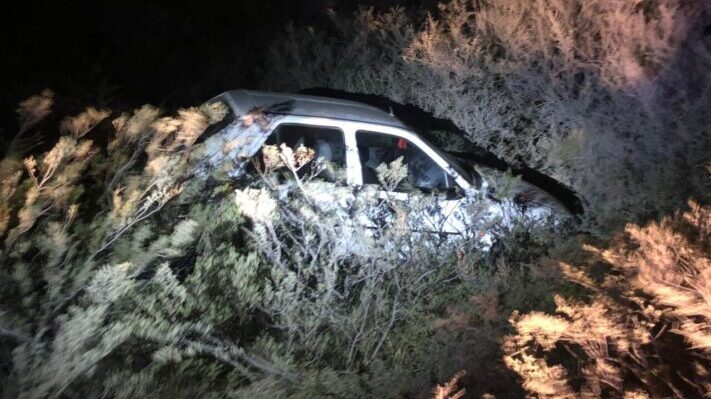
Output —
(243, 101)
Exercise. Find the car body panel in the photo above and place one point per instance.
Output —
(244, 101)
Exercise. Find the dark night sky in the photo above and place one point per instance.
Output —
(125, 53)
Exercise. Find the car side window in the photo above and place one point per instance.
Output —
(422, 171)
(326, 142)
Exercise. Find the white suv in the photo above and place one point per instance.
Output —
(357, 138)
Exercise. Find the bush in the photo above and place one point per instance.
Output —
(137, 270)
(79, 227)
(141, 268)
(608, 97)
(644, 330)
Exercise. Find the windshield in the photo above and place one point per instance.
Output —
(453, 163)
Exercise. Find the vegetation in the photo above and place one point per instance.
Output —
(608, 97)
(130, 270)
(130, 266)
(644, 326)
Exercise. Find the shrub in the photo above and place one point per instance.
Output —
(143, 268)
(608, 97)
(643, 331)
(78, 228)
(140, 268)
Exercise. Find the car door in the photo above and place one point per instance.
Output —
(429, 195)
(320, 158)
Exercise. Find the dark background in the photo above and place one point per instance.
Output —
(121, 54)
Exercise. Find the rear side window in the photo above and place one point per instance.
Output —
(422, 171)
(328, 144)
